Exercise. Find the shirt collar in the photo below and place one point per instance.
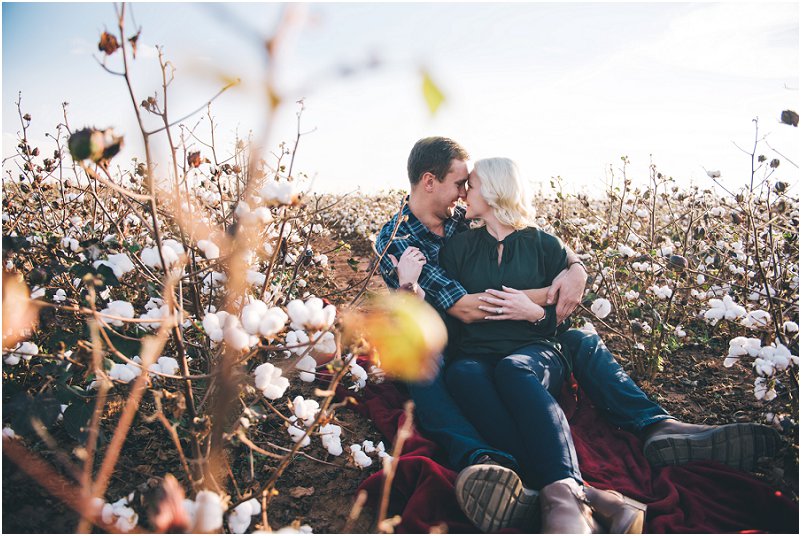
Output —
(451, 225)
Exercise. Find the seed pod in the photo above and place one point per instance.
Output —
(678, 263)
(194, 160)
(108, 43)
(789, 117)
(736, 218)
(27, 117)
(636, 327)
(774, 163)
(780, 187)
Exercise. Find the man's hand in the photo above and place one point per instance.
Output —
(510, 304)
(410, 265)
(569, 286)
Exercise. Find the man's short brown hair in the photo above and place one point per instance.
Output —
(433, 155)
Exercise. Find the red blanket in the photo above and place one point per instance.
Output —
(698, 497)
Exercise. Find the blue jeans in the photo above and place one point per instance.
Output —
(594, 367)
(512, 401)
(440, 418)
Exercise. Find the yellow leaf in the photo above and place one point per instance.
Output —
(432, 94)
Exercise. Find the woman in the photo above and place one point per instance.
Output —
(507, 372)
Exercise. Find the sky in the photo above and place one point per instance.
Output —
(565, 89)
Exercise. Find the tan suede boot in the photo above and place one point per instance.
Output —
(565, 509)
(618, 513)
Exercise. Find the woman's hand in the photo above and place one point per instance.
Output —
(409, 266)
(510, 304)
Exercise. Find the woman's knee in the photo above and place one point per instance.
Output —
(464, 370)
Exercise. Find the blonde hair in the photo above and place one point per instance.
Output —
(505, 192)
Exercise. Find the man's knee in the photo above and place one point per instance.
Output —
(579, 342)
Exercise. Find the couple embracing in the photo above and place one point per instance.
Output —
(493, 406)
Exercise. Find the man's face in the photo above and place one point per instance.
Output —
(450, 190)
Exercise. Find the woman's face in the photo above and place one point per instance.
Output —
(477, 207)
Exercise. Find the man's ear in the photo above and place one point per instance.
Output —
(427, 180)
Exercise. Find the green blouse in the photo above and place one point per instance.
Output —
(531, 259)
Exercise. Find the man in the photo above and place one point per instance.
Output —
(488, 488)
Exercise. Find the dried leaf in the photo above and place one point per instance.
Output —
(299, 491)
(108, 43)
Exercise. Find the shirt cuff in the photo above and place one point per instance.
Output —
(444, 297)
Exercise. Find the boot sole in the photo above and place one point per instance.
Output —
(736, 445)
(492, 498)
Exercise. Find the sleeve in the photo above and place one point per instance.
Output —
(547, 327)
(396, 248)
(555, 255)
(442, 291)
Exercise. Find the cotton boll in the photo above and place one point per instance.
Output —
(763, 390)
(123, 372)
(212, 325)
(252, 314)
(255, 278)
(209, 249)
(358, 374)
(119, 308)
(326, 344)
(368, 446)
(764, 367)
(234, 336)
(601, 307)
(790, 327)
(168, 365)
(270, 381)
(8, 432)
(330, 436)
(241, 516)
(298, 340)
(208, 512)
(307, 367)
(272, 322)
(305, 410)
(756, 319)
(297, 434)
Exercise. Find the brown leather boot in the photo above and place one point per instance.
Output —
(618, 513)
(565, 509)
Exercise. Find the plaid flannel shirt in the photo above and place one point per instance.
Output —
(441, 290)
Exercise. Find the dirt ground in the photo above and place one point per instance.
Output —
(321, 495)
